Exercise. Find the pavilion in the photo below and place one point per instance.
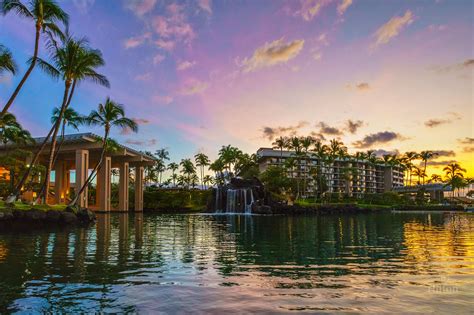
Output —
(81, 152)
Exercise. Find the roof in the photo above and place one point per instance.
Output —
(89, 137)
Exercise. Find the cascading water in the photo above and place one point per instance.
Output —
(238, 200)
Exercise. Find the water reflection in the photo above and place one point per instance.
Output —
(370, 262)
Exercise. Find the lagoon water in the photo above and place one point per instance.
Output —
(370, 263)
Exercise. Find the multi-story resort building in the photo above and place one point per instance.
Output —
(349, 175)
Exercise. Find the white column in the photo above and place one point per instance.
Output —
(139, 181)
(103, 184)
(123, 186)
(82, 171)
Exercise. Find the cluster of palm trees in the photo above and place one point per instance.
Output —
(70, 60)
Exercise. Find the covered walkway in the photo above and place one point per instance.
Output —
(81, 152)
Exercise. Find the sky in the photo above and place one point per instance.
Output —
(196, 75)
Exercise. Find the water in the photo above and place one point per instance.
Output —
(369, 263)
(237, 201)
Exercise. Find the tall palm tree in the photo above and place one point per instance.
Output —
(229, 155)
(12, 132)
(453, 170)
(420, 174)
(297, 148)
(108, 115)
(72, 119)
(173, 167)
(280, 143)
(159, 168)
(320, 150)
(6, 61)
(218, 168)
(306, 143)
(202, 161)
(425, 156)
(47, 15)
(207, 180)
(189, 171)
(409, 157)
(73, 62)
(435, 178)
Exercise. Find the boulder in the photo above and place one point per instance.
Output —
(68, 217)
(262, 210)
(6, 215)
(34, 215)
(85, 215)
(53, 215)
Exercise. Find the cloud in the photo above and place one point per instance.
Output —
(174, 25)
(183, 65)
(205, 5)
(465, 65)
(158, 59)
(141, 142)
(83, 5)
(271, 133)
(133, 42)
(382, 152)
(439, 163)
(342, 7)
(141, 121)
(353, 126)
(194, 87)
(140, 7)
(167, 45)
(391, 29)
(443, 153)
(363, 86)
(317, 136)
(436, 122)
(143, 77)
(467, 141)
(328, 130)
(377, 138)
(272, 54)
(162, 99)
(317, 56)
(310, 8)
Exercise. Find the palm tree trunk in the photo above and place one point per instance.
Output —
(45, 190)
(27, 73)
(94, 171)
(424, 172)
(60, 144)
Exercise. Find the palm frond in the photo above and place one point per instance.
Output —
(46, 67)
(16, 6)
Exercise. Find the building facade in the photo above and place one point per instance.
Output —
(349, 176)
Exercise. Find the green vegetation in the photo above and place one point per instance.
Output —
(24, 206)
(176, 199)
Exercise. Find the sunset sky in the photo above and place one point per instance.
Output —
(391, 75)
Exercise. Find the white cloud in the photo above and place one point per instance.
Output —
(183, 65)
(194, 87)
(342, 7)
(310, 8)
(140, 7)
(392, 28)
(173, 25)
(317, 56)
(205, 5)
(273, 53)
(165, 44)
(158, 58)
(133, 42)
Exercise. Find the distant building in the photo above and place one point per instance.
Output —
(349, 176)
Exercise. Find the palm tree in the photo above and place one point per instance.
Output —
(159, 168)
(46, 15)
(108, 115)
(173, 167)
(306, 143)
(280, 143)
(208, 180)
(425, 156)
(189, 171)
(295, 145)
(73, 62)
(409, 158)
(218, 167)
(12, 132)
(6, 61)
(420, 173)
(453, 170)
(320, 150)
(72, 119)
(229, 155)
(202, 161)
(435, 178)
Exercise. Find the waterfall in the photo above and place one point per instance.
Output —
(238, 200)
(248, 207)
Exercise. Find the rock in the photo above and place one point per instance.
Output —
(68, 217)
(262, 210)
(86, 215)
(18, 214)
(6, 215)
(53, 215)
(72, 209)
(34, 215)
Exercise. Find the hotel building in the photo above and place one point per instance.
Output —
(349, 176)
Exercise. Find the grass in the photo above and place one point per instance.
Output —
(23, 206)
(306, 203)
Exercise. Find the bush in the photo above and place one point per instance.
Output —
(164, 199)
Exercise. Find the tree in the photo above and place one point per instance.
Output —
(420, 173)
(188, 170)
(159, 168)
(275, 180)
(229, 155)
(162, 155)
(295, 145)
(46, 14)
(73, 62)
(306, 143)
(71, 118)
(246, 166)
(173, 167)
(320, 150)
(218, 167)
(454, 175)
(108, 115)
(425, 156)
(409, 157)
(202, 161)
(208, 180)
(435, 178)
(280, 143)
(7, 64)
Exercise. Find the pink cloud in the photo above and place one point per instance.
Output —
(140, 7)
